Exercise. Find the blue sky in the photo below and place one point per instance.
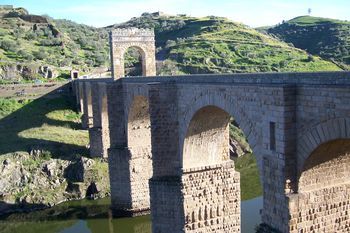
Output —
(251, 12)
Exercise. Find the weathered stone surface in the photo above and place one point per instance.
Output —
(122, 39)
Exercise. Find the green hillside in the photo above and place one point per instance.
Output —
(184, 45)
(327, 38)
(218, 45)
(32, 40)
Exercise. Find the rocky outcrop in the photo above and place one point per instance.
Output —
(237, 149)
(17, 72)
(32, 180)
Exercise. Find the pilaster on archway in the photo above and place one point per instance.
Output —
(142, 39)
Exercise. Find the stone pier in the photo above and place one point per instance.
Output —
(99, 133)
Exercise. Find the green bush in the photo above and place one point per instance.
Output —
(8, 45)
(40, 54)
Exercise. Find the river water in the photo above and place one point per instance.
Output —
(92, 217)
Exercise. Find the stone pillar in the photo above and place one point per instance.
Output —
(99, 133)
(127, 170)
(87, 109)
(76, 91)
(201, 199)
(279, 170)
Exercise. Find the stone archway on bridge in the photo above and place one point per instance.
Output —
(323, 179)
(123, 39)
(211, 184)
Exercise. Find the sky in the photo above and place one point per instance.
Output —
(254, 13)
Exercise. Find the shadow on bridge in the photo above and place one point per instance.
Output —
(49, 123)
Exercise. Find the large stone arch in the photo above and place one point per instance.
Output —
(323, 179)
(332, 129)
(211, 184)
(207, 138)
(122, 39)
(229, 105)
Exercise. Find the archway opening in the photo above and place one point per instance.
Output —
(324, 189)
(133, 62)
(139, 144)
(214, 139)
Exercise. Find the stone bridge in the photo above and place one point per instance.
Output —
(166, 139)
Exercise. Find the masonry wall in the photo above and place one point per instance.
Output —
(139, 143)
(33, 91)
(212, 199)
(99, 132)
(322, 203)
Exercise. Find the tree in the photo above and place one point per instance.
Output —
(309, 11)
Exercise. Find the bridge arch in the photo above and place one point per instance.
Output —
(323, 179)
(227, 107)
(332, 129)
(210, 177)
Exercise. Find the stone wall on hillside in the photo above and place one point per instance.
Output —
(33, 91)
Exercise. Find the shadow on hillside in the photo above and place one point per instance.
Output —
(34, 115)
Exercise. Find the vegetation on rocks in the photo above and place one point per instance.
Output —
(33, 41)
(43, 155)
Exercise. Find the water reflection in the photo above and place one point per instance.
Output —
(93, 217)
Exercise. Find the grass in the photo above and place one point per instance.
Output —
(48, 123)
(250, 181)
(312, 21)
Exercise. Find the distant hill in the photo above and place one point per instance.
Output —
(39, 47)
(327, 38)
(218, 45)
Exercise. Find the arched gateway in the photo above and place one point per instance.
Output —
(143, 39)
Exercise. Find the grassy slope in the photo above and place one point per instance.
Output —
(328, 38)
(217, 45)
(47, 123)
(250, 181)
(51, 125)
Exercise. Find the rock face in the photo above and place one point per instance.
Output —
(237, 150)
(29, 180)
(17, 72)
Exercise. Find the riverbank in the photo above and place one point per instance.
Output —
(86, 216)
(44, 154)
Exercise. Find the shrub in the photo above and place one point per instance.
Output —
(8, 45)
(40, 54)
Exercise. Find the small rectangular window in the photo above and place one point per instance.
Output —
(273, 136)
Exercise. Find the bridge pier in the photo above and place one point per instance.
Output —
(99, 133)
(129, 156)
(87, 106)
(80, 86)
